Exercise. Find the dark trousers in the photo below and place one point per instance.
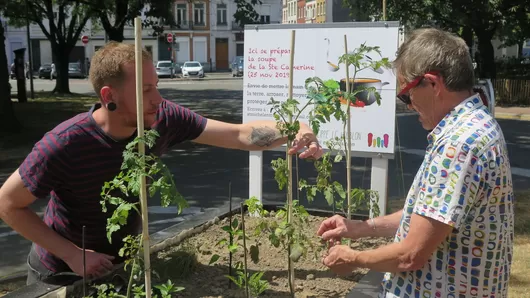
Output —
(36, 270)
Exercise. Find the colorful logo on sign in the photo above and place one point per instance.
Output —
(378, 142)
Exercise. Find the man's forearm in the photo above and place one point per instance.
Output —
(26, 222)
(388, 258)
(262, 135)
(383, 226)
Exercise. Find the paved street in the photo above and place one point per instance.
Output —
(202, 173)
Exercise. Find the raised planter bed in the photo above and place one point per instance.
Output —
(182, 253)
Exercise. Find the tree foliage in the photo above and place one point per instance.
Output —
(114, 15)
(506, 19)
(61, 21)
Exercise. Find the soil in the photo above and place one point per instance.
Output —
(187, 265)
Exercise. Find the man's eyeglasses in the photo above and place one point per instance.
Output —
(404, 94)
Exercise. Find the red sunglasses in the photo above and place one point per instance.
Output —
(404, 95)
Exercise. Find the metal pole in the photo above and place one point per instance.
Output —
(30, 55)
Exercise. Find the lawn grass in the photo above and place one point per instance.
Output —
(38, 116)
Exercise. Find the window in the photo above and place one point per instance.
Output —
(221, 14)
(181, 14)
(198, 14)
(265, 19)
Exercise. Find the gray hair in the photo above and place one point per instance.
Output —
(430, 49)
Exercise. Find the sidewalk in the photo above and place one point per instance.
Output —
(515, 113)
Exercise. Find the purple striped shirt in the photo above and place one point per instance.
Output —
(73, 161)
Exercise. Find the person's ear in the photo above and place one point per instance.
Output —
(436, 81)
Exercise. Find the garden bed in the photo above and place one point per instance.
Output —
(187, 264)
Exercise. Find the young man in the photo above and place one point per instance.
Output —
(72, 161)
(454, 235)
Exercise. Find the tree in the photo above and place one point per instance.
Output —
(517, 31)
(245, 12)
(115, 14)
(484, 18)
(61, 21)
(8, 120)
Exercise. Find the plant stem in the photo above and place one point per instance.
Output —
(348, 136)
(244, 248)
(129, 285)
(290, 172)
(141, 151)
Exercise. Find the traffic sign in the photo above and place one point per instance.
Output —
(169, 37)
(84, 39)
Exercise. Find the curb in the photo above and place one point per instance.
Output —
(13, 277)
(511, 116)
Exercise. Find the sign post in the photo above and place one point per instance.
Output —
(169, 38)
(84, 39)
(267, 73)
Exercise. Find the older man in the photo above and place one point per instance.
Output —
(75, 159)
(454, 235)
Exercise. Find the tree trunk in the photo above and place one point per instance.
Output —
(487, 55)
(62, 85)
(115, 34)
(8, 120)
(467, 36)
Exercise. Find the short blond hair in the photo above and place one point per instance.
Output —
(106, 67)
(431, 49)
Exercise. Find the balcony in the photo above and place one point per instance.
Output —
(183, 25)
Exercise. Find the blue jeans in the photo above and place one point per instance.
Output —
(36, 270)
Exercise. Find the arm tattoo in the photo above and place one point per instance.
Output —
(263, 136)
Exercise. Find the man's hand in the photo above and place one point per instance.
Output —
(306, 138)
(337, 227)
(340, 259)
(97, 264)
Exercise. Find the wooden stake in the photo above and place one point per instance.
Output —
(141, 150)
(290, 168)
(348, 135)
(384, 10)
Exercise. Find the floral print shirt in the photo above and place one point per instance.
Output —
(465, 181)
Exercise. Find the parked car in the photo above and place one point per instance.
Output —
(165, 68)
(235, 62)
(238, 68)
(44, 71)
(192, 68)
(75, 71)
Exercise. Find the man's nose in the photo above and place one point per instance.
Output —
(156, 100)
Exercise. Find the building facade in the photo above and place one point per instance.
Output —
(206, 32)
(227, 36)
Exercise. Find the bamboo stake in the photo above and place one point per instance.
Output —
(348, 135)
(384, 10)
(290, 169)
(141, 150)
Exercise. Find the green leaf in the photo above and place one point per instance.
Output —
(254, 253)
(296, 252)
(235, 223)
(233, 248)
(339, 189)
(328, 194)
(214, 259)
(338, 157)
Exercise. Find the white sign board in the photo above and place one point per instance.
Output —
(318, 48)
